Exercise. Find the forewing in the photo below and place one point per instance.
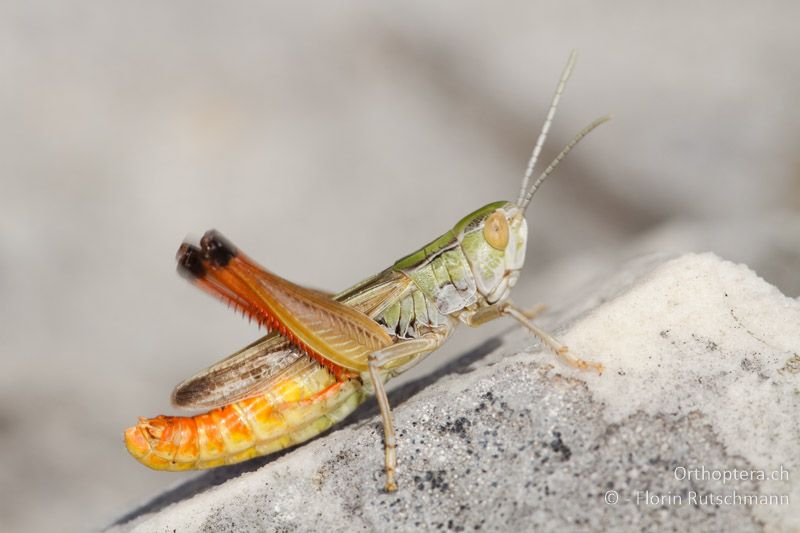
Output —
(375, 294)
(238, 376)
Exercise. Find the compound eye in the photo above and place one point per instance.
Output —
(495, 230)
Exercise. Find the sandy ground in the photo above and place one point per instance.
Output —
(327, 141)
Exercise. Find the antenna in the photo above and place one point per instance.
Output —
(552, 166)
(573, 56)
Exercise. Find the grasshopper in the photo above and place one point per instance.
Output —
(324, 354)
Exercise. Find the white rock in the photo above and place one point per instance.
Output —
(697, 335)
(702, 380)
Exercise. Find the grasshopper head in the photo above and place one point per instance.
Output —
(495, 236)
(494, 239)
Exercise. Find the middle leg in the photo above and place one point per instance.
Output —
(379, 362)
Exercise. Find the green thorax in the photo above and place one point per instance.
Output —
(441, 270)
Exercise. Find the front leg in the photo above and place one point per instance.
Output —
(550, 341)
(492, 312)
(379, 362)
(486, 314)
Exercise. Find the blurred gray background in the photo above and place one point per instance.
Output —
(327, 140)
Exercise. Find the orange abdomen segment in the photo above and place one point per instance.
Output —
(294, 410)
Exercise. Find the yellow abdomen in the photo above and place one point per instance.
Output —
(288, 413)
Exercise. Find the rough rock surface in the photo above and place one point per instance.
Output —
(702, 380)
